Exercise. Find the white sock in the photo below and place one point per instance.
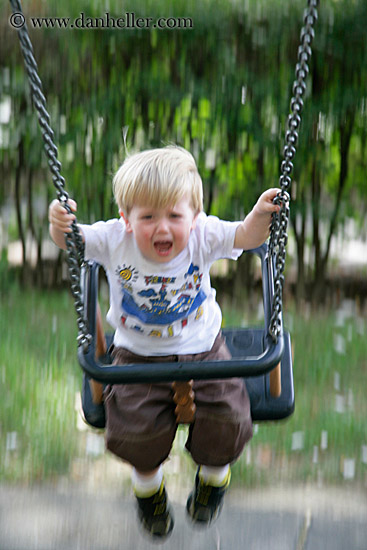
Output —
(213, 475)
(145, 486)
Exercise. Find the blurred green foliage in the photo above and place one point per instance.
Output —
(221, 89)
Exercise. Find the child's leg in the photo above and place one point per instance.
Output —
(215, 476)
(153, 509)
(222, 424)
(216, 439)
(218, 435)
(145, 484)
(140, 429)
(141, 426)
(140, 419)
(206, 500)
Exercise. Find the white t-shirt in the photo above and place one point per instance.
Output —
(162, 308)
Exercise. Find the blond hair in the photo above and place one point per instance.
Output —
(158, 177)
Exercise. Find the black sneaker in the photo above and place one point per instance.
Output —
(206, 501)
(155, 515)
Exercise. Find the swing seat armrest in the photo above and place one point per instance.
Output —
(168, 372)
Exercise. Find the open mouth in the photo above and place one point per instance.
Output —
(163, 248)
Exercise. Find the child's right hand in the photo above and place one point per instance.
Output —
(59, 218)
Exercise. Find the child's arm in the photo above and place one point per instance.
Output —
(60, 221)
(254, 229)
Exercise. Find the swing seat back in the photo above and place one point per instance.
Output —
(264, 405)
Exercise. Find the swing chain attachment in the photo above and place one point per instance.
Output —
(278, 231)
(73, 240)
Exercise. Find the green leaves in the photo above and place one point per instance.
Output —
(220, 89)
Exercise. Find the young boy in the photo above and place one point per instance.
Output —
(157, 256)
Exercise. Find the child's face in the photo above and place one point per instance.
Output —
(161, 233)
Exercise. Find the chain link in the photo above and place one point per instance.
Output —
(74, 242)
(278, 231)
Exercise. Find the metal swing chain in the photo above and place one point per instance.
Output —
(278, 231)
(74, 243)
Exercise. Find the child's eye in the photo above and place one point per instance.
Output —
(175, 216)
(147, 217)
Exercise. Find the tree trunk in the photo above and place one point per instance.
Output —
(321, 261)
(346, 129)
(18, 206)
(211, 192)
(244, 282)
(318, 268)
(299, 230)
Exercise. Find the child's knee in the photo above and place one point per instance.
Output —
(145, 454)
(218, 441)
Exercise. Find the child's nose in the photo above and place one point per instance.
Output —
(163, 225)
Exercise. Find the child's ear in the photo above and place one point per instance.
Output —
(193, 225)
(126, 220)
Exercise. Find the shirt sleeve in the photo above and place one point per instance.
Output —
(218, 236)
(100, 238)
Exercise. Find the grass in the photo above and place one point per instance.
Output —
(40, 377)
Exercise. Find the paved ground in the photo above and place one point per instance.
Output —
(47, 518)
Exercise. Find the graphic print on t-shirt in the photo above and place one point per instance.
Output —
(165, 302)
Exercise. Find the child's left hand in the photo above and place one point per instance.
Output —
(254, 230)
(265, 203)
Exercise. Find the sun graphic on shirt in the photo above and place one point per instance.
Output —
(127, 273)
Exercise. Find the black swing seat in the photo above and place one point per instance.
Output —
(254, 355)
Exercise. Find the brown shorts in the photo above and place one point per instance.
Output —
(141, 422)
